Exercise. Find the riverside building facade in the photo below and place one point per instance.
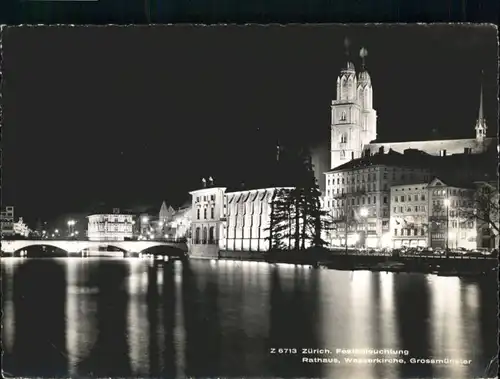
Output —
(7, 221)
(110, 227)
(358, 194)
(235, 221)
(434, 214)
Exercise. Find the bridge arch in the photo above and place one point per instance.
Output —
(58, 250)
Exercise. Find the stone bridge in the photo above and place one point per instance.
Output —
(77, 247)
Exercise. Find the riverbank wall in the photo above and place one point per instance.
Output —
(360, 262)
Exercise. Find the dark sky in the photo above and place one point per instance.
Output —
(136, 115)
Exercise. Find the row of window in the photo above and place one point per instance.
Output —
(205, 198)
(407, 232)
(450, 191)
(355, 201)
(371, 177)
(359, 227)
(112, 219)
(403, 198)
(372, 212)
(442, 236)
(110, 228)
(212, 213)
(354, 189)
(453, 203)
(416, 208)
(453, 224)
(204, 236)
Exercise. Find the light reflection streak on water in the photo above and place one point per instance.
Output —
(72, 315)
(361, 309)
(179, 328)
(447, 325)
(137, 325)
(470, 313)
(160, 333)
(388, 322)
(10, 266)
(81, 330)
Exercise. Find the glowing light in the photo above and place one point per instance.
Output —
(363, 212)
(386, 240)
(446, 202)
(145, 219)
(56, 231)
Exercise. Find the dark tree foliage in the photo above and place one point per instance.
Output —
(297, 219)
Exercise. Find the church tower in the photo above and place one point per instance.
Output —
(481, 126)
(368, 120)
(353, 122)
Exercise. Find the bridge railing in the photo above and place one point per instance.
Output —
(166, 240)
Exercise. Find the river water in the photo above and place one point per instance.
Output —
(134, 318)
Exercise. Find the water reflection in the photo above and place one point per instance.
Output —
(131, 318)
(109, 355)
(39, 297)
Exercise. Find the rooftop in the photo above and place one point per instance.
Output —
(411, 158)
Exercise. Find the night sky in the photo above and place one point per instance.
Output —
(136, 115)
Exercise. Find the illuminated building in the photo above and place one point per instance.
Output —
(7, 221)
(20, 228)
(354, 123)
(433, 214)
(180, 223)
(363, 185)
(488, 224)
(236, 221)
(110, 227)
(409, 215)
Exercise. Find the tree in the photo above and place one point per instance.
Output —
(280, 220)
(296, 214)
(484, 208)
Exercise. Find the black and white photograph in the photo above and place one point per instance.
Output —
(250, 201)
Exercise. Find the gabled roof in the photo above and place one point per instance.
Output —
(450, 182)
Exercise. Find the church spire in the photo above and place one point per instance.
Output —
(349, 64)
(363, 53)
(364, 77)
(481, 122)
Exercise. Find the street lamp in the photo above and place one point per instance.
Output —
(145, 219)
(363, 212)
(71, 224)
(447, 205)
